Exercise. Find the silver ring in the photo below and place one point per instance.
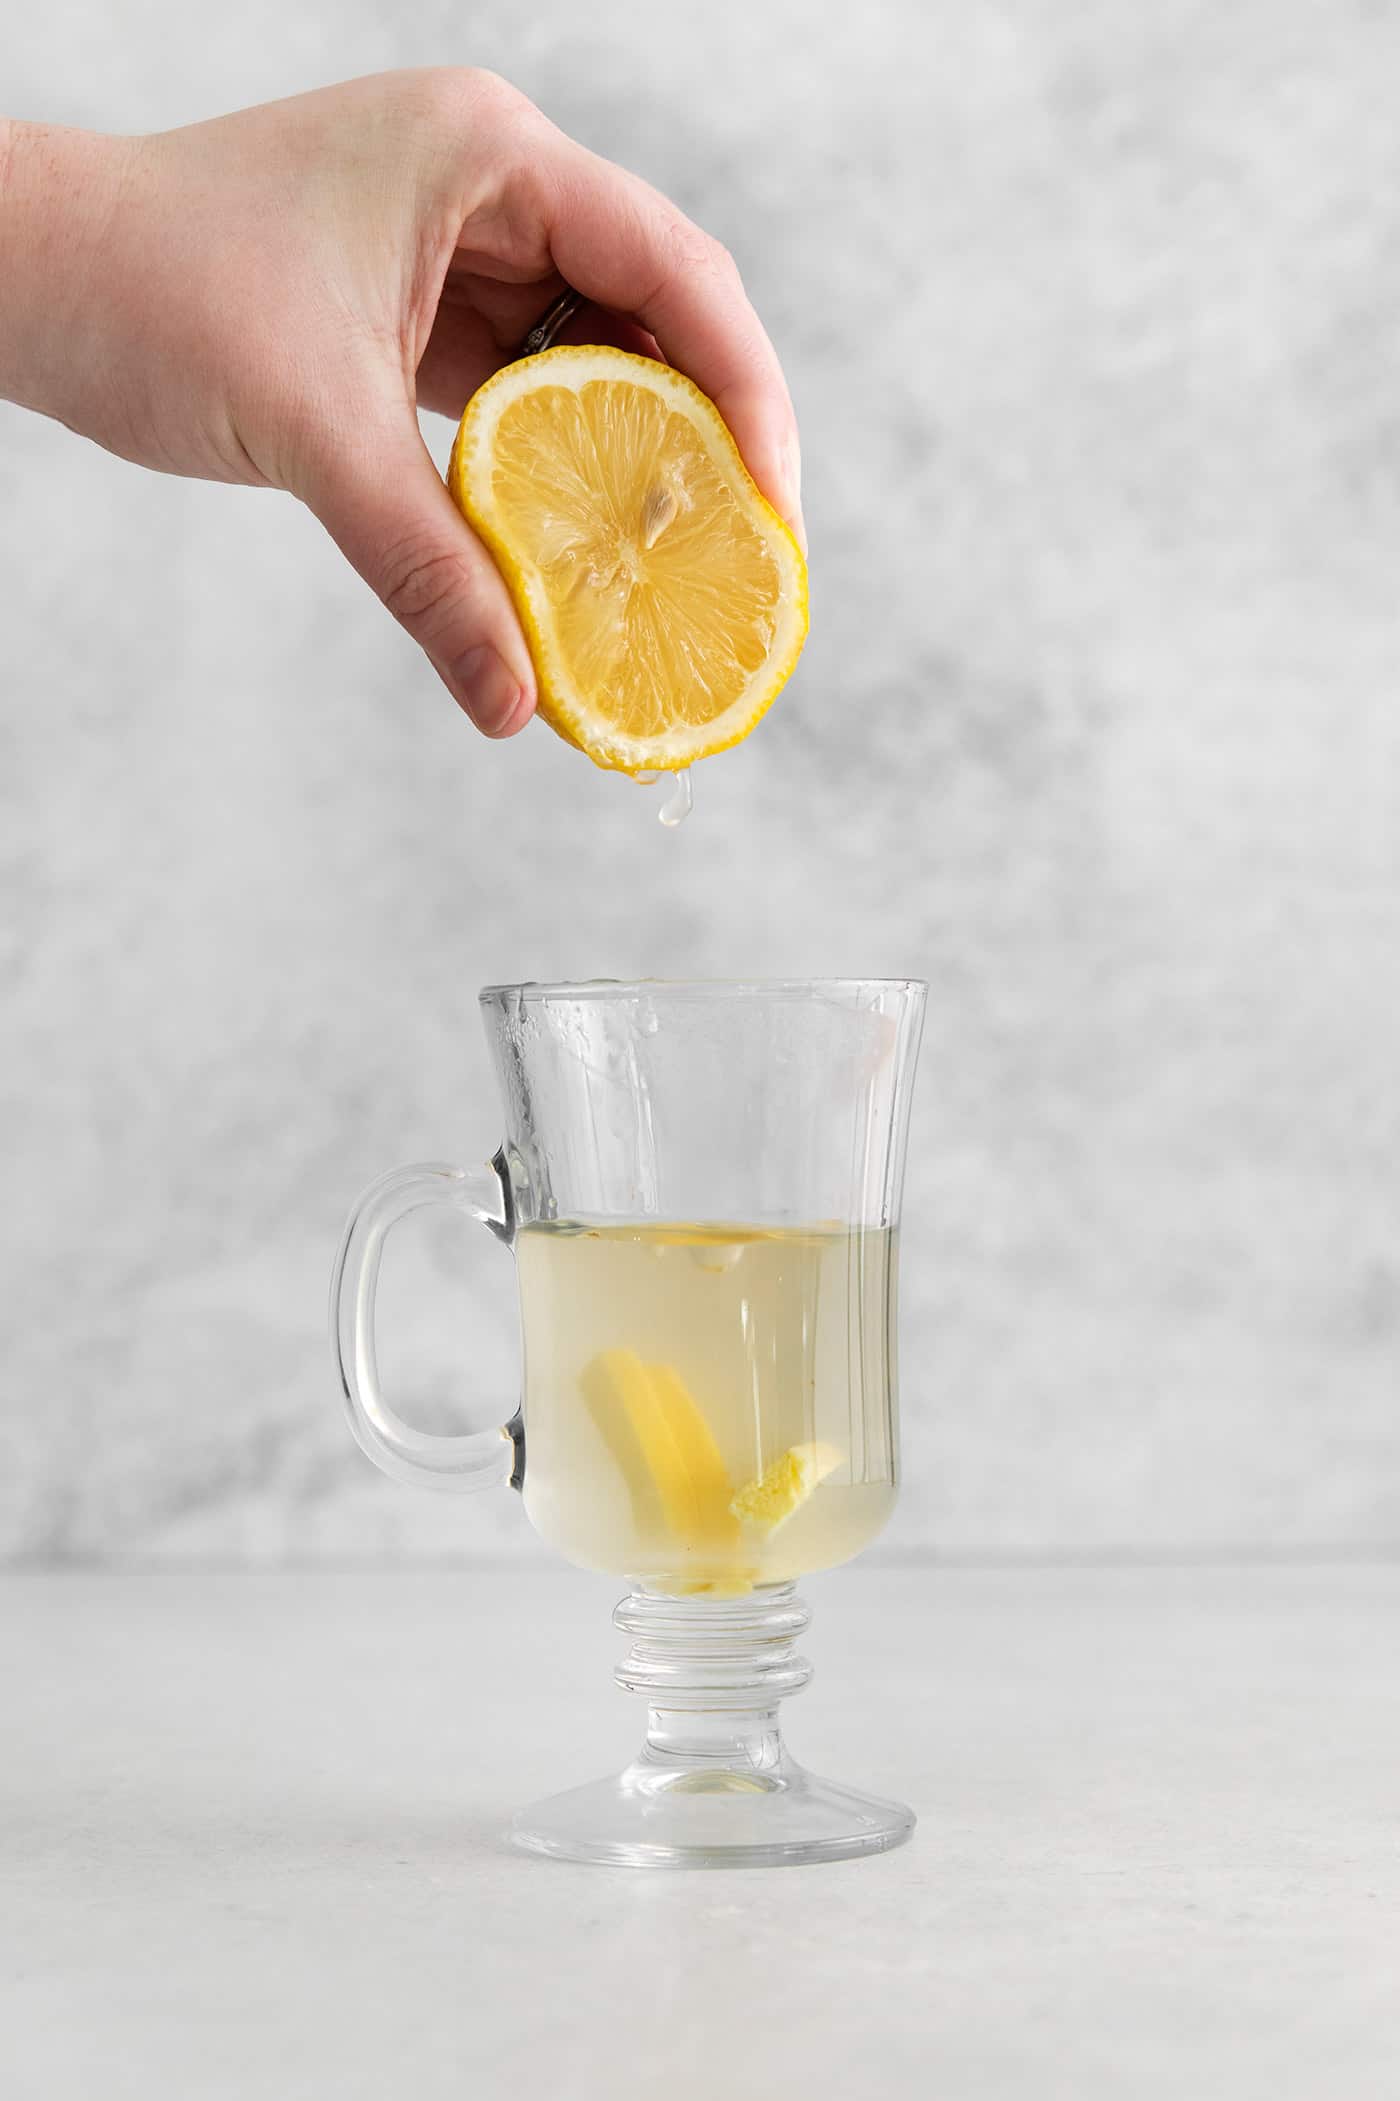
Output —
(549, 324)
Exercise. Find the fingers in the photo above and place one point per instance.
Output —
(388, 512)
(626, 247)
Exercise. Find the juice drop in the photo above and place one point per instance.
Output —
(680, 802)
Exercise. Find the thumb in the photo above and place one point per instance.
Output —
(388, 512)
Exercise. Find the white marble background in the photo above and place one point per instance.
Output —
(1092, 315)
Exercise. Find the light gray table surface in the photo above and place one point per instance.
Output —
(250, 1844)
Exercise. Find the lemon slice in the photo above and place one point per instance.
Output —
(785, 1486)
(664, 600)
(663, 1445)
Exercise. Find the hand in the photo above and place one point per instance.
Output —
(267, 298)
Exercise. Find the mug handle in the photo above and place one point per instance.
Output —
(474, 1459)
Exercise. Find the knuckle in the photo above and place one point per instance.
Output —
(489, 86)
(690, 247)
(421, 586)
(722, 262)
(477, 91)
(693, 252)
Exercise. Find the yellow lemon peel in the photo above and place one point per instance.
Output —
(785, 1485)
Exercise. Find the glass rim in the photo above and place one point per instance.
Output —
(604, 989)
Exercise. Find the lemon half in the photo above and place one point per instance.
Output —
(663, 598)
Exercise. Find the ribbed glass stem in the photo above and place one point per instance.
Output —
(713, 1785)
(713, 1671)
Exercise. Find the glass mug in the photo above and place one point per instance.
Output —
(701, 1184)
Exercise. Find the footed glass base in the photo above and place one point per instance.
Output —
(709, 1821)
(713, 1786)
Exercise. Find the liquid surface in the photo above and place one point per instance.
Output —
(708, 1407)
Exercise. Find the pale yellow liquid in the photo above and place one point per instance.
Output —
(764, 1340)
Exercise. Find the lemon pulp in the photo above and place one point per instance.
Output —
(664, 600)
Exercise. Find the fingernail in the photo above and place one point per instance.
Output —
(487, 688)
(792, 482)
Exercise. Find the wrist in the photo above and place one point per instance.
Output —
(58, 190)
